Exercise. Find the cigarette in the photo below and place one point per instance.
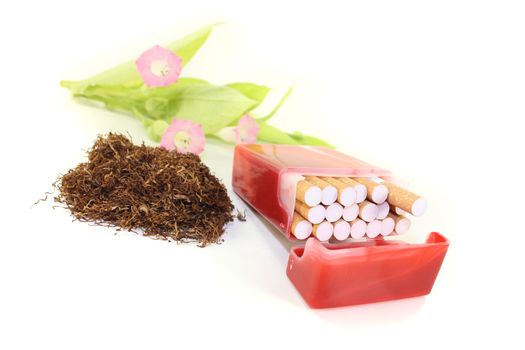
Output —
(329, 191)
(350, 213)
(313, 214)
(397, 211)
(373, 229)
(382, 210)
(301, 228)
(334, 212)
(360, 189)
(357, 228)
(341, 230)
(308, 193)
(367, 211)
(377, 192)
(406, 200)
(402, 223)
(347, 195)
(387, 226)
(323, 231)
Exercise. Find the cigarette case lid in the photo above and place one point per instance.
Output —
(330, 275)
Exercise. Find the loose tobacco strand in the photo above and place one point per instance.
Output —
(164, 194)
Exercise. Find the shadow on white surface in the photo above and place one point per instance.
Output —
(372, 314)
(263, 253)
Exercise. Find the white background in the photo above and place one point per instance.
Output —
(433, 91)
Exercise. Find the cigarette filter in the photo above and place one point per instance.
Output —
(350, 213)
(406, 200)
(397, 211)
(373, 229)
(323, 231)
(346, 194)
(402, 224)
(387, 226)
(358, 228)
(360, 189)
(334, 212)
(382, 210)
(329, 191)
(367, 211)
(376, 192)
(308, 193)
(301, 228)
(341, 230)
(313, 214)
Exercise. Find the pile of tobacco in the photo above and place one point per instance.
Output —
(159, 193)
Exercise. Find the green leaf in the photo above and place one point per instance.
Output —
(271, 134)
(141, 117)
(253, 91)
(157, 107)
(188, 46)
(127, 74)
(113, 96)
(309, 140)
(156, 129)
(212, 106)
(168, 91)
(272, 113)
(190, 81)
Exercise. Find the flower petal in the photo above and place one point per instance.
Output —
(184, 136)
(159, 66)
(247, 130)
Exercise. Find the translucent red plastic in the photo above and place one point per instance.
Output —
(258, 171)
(365, 272)
(329, 275)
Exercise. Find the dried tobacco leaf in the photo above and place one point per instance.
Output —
(163, 194)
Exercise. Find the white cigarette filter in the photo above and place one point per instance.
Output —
(373, 229)
(329, 192)
(341, 230)
(387, 226)
(376, 192)
(406, 200)
(402, 223)
(323, 231)
(350, 213)
(367, 211)
(313, 214)
(334, 212)
(346, 194)
(397, 211)
(357, 228)
(382, 210)
(360, 189)
(301, 228)
(308, 193)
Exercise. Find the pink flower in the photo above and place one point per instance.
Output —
(159, 66)
(184, 136)
(247, 130)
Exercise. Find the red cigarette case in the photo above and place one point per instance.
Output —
(330, 275)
